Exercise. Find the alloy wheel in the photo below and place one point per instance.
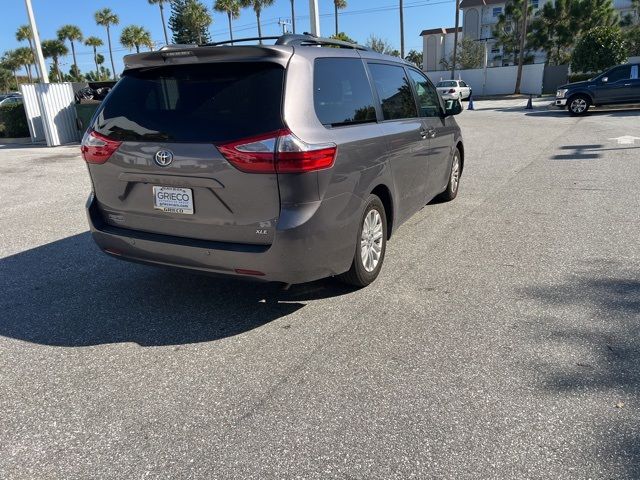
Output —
(371, 240)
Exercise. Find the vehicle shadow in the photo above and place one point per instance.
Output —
(626, 112)
(600, 353)
(68, 293)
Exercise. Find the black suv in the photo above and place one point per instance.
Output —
(620, 84)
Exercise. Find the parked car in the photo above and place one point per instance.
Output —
(454, 89)
(618, 85)
(282, 163)
(11, 100)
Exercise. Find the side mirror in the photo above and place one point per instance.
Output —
(604, 79)
(452, 107)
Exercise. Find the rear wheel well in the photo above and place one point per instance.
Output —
(460, 148)
(383, 193)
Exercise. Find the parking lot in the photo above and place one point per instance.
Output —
(502, 339)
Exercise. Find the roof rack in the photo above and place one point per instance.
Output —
(294, 39)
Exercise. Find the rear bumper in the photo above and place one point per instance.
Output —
(316, 241)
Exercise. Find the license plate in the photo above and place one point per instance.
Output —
(173, 200)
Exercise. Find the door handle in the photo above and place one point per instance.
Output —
(627, 84)
(428, 133)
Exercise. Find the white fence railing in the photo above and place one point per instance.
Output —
(497, 80)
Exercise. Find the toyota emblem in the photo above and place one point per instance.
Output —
(163, 158)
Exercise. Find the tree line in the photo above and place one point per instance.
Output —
(189, 23)
(588, 34)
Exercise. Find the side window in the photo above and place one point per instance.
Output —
(341, 92)
(620, 73)
(427, 95)
(462, 84)
(634, 72)
(394, 91)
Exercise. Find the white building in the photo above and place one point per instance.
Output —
(437, 45)
(479, 18)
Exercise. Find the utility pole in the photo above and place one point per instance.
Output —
(401, 28)
(455, 41)
(284, 22)
(40, 65)
(314, 15)
(293, 16)
(486, 62)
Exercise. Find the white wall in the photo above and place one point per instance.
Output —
(499, 81)
(50, 110)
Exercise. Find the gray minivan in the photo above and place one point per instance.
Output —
(288, 162)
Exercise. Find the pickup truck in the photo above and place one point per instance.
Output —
(618, 85)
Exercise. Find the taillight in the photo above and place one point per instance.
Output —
(280, 151)
(296, 156)
(453, 90)
(253, 154)
(97, 148)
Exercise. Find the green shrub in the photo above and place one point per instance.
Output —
(579, 77)
(13, 121)
(599, 49)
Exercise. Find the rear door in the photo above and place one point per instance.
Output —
(634, 96)
(171, 121)
(407, 141)
(617, 88)
(441, 135)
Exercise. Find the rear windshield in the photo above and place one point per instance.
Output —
(201, 103)
(447, 84)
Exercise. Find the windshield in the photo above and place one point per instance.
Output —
(449, 83)
(202, 103)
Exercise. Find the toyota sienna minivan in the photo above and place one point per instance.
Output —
(288, 162)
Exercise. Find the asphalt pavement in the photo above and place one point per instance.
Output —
(501, 341)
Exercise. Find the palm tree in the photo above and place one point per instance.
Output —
(134, 36)
(338, 5)
(231, 8)
(10, 62)
(164, 24)
(293, 16)
(24, 33)
(71, 33)
(257, 6)
(197, 18)
(106, 18)
(94, 42)
(24, 57)
(54, 49)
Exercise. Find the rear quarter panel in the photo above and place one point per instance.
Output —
(361, 162)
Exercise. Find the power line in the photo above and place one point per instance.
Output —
(384, 8)
(274, 21)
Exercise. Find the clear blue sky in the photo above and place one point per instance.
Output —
(360, 19)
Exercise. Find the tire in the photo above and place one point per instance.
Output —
(372, 231)
(578, 105)
(451, 191)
